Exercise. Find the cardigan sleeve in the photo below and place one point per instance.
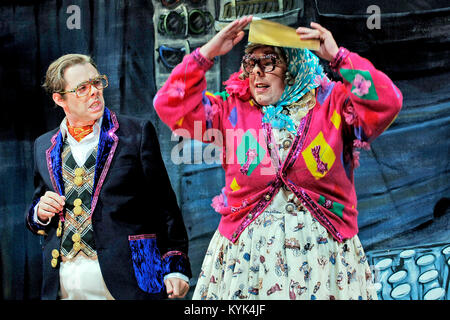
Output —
(184, 104)
(367, 99)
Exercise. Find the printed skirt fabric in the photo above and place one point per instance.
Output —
(285, 254)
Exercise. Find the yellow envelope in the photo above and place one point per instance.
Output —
(276, 34)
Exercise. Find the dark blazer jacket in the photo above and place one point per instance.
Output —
(138, 228)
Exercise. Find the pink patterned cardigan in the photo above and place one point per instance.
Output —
(319, 166)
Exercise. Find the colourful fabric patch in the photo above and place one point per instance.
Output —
(179, 122)
(233, 117)
(209, 114)
(234, 185)
(224, 95)
(362, 83)
(319, 157)
(336, 119)
(335, 207)
(249, 153)
(324, 90)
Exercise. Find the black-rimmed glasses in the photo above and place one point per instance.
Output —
(267, 63)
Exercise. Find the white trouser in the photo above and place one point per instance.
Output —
(81, 279)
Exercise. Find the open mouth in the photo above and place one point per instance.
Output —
(96, 106)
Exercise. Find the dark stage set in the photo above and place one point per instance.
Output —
(403, 180)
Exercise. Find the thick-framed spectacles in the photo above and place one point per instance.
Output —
(84, 88)
(267, 63)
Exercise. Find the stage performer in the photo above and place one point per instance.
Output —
(103, 200)
(288, 227)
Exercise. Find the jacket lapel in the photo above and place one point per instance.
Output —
(106, 148)
(54, 162)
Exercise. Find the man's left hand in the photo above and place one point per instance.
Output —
(176, 288)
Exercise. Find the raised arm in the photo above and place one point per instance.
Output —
(184, 102)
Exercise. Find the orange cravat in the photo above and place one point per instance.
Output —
(80, 132)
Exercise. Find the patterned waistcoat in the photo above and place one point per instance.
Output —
(78, 234)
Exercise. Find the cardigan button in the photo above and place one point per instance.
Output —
(287, 143)
(290, 207)
(267, 197)
(250, 216)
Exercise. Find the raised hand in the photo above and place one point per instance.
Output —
(226, 39)
(328, 47)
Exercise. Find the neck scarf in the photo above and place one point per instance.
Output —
(304, 66)
(79, 132)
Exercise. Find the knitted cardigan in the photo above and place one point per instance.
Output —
(319, 166)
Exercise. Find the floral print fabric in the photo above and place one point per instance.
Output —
(285, 254)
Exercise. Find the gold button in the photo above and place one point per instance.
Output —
(77, 202)
(58, 232)
(41, 233)
(287, 143)
(77, 211)
(59, 224)
(77, 246)
(54, 262)
(267, 197)
(55, 253)
(76, 237)
(78, 181)
(289, 207)
(79, 172)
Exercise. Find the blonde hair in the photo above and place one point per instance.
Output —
(54, 78)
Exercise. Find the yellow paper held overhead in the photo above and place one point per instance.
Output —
(275, 34)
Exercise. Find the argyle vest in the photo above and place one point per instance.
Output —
(78, 233)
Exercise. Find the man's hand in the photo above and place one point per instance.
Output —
(50, 204)
(176, 288)
(328, 47)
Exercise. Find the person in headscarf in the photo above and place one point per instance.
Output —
(289, 138)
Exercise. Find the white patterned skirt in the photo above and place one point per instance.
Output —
(285, 254)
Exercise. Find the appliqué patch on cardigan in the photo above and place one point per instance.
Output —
(234, 185)
(324, 89)
(336, 119)
(322, 167)
(176, 91)
(362, 83)
(249, 153)
(209, 114)
(319, 157)
(223, 94)
(233, 117)
(335, 207)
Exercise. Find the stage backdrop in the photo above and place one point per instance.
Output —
(402, 183)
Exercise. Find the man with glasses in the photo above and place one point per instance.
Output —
(103, 200)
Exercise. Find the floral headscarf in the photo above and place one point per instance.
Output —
(304, 66)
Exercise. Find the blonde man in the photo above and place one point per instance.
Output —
(103, 201)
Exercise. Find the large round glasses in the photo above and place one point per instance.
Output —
(84, 88)
(266, 63)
